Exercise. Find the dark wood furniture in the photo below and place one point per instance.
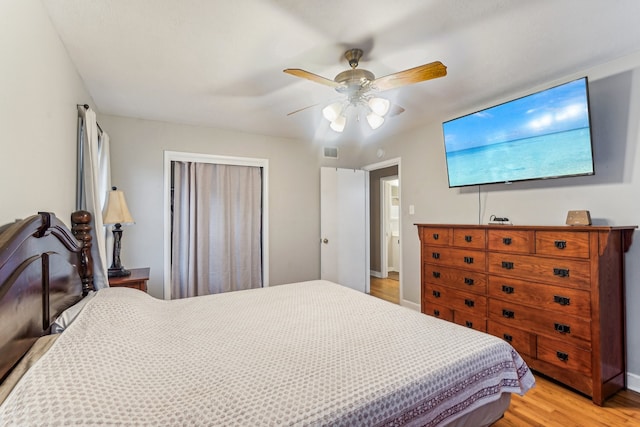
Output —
(44, 269)
(137, 280)
(555, 293)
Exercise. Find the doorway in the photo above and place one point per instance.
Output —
(385, 212)
(258, 169)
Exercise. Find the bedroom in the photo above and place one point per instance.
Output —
(41, 86)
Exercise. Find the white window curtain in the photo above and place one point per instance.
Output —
(94, 176)
(217, 221)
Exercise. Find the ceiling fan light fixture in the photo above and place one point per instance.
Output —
(374, 120)
(380, 106)
(339, 123)
(332, 111)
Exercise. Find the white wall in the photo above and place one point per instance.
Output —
(38, 117)
(137, 168)
(611, 196)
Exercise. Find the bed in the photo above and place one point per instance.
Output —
(309, 353)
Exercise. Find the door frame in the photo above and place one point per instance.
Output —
(381, 165)
(179, 156)
(384, 222)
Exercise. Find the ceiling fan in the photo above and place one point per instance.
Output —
(359, 88)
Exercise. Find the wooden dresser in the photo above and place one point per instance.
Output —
(555, 293)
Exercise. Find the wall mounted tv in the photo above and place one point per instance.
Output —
(543, 135)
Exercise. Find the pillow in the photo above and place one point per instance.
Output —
(64, 320)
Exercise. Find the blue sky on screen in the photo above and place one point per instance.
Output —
(557, 109)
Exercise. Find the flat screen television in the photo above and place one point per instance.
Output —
(543, 135)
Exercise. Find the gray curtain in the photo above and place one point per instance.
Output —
(216, 229)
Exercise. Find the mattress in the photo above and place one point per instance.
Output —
(310, 353)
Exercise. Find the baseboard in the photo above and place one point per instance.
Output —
(375, 274)
(633, 382)
(410, 304)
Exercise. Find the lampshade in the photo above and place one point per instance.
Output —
(332, 111)
(117, 211)
(339, 123)
(380, 106)
(374, 120)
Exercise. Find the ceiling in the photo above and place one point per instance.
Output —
(219, 63)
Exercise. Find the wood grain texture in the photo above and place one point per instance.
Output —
(550, 404)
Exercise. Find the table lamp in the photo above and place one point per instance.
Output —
(117, 213)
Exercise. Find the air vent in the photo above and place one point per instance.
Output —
(331, 152)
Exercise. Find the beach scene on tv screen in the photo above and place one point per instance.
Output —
(542, 135)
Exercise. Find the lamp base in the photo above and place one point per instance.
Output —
(118, 272)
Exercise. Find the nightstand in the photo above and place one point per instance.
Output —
(137, 279)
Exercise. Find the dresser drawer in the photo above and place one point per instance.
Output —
(569, 273)
(471, 281)
(563, 354)
(507, 240)
(439, 311)
(574, 302)
(457, 300)
(562, 326)
(463, 258)
(469, 238)
(438, 236)
(570, 244)
(522, 341)
(479, 323)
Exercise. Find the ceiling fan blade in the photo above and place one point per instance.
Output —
(413, 75)
(303, 108)
(310, 76)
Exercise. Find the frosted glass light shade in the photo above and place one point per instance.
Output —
(380, 106)
(374, 120)
(339, 123)
(332, 111)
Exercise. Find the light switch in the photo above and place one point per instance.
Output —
(412, 209)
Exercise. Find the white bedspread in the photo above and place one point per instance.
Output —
(312, 353)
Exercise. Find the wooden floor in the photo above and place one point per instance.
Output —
(387, 289)
(550, 404)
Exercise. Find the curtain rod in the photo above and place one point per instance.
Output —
(86, 107)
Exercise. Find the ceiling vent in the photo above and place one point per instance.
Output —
(330, 152)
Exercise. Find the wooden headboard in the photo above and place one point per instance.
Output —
(44, 269)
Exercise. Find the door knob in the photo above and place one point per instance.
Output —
(325, 241)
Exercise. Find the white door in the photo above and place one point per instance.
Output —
(344, 227)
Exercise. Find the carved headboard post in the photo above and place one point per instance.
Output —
(81, 227)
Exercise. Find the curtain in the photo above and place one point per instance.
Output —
(95, 176)
(216, 229)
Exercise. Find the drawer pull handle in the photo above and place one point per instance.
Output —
(468, 281)
(562, 356)
(436, 294)
(435, 255)
(468, 323)
(508, 314)
(508, 289)
(507, 265)
(561, 272)
(506, 241)
(560, 244)
(469, 302)
(468, 239)
(563, 329)
(561, 300)
(468, 260)
(507, 337)
(436, 274)
(436, 236)
(436, 312)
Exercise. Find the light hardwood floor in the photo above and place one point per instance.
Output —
(548, 404)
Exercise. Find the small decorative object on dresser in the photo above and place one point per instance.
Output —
(137, 279)
(555, 293)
